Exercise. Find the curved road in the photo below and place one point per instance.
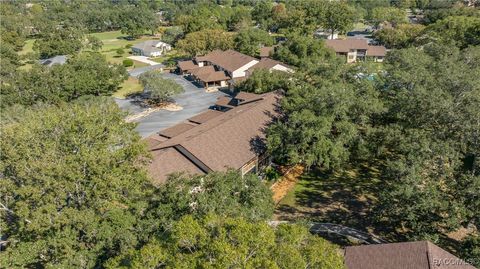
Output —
(317, 227)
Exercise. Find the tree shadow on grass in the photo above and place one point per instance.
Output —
(346, 197)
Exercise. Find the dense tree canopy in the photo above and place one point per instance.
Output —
(433, 131)
(223, 194)
(84, 74)
(391, 15)
(218, 242)
(262, 81)
(460, 31)
(62, 40)
(338, 17)
(303, 52)
(202, 42)
(136, 20)
(404, 35)
(250, 40)
(322, 123)
(71, 183)
(172, 35)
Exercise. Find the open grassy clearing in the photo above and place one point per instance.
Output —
(346, 197)
(114, 40)
(343, 197)
(129, 86)
(28, 47)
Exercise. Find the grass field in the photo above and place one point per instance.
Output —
(112, 41)
(115, 39)
(129, 86)
(343, 197)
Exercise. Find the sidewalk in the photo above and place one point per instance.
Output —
(143, 59)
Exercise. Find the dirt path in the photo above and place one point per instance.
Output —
(286, 183)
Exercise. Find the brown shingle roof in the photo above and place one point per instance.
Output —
(154, 140)
(376, 51)
(411, 255)
(266, 63)
(159, 168)
(202, 70)
(213, 76)
(345, 45)
(245, 97)
(225, 101)
(176, 130)
(222, 142)
(205, 116)
(229, 60)
(187, 65)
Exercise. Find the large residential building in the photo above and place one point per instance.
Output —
(223, 68)
(356, 49)
(411, 255)
(151, 48)
(230, 137)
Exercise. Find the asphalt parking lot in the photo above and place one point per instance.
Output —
(194, 100)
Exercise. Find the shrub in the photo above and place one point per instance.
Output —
(127, 62)
(128, 46)
(271, 174)
(120, 51)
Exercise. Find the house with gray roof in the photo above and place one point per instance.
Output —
(151, 48)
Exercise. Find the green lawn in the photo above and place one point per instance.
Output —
(343, 197)
(28, 47)
(129, 86)
(116, 40)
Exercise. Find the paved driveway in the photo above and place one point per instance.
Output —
(138, 71)
(194, 100)
(143, 59)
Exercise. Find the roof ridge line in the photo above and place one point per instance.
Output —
(192, 158)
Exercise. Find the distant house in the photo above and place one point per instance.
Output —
(224, 68)
(411, 255)
(357, 50)
(325, 34)
(229, 137)
(59, 59)
(151, 48)
(270, 65)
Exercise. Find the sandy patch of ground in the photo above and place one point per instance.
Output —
(169, 107)
(286, 183)
(462, 233)
(172, 107)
